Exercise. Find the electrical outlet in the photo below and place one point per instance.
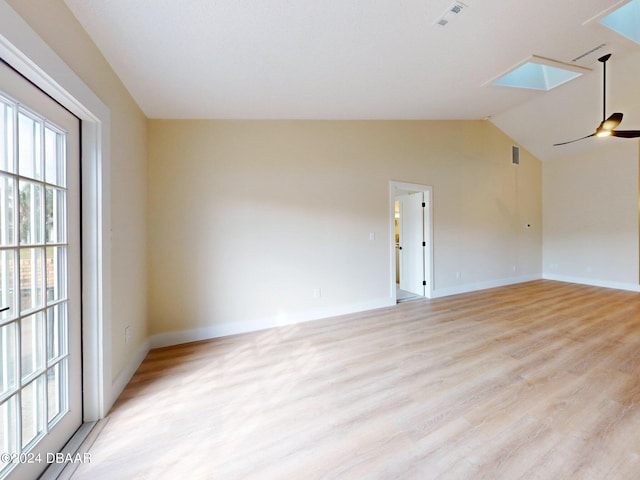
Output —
(317, 292)
(127, 334)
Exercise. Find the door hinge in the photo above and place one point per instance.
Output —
(424, 244)
(424, 283)
(424, 204)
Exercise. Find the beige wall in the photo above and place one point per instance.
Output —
(247, 218)
(56, 25)
(590, 209)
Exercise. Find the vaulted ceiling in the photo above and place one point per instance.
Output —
(368, 59)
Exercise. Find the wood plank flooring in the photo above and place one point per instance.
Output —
(533, 381)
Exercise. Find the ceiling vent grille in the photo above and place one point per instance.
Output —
(593, 50)
(452, 12)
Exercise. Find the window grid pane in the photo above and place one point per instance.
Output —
(9, 356)
(7, 210)
(29, 146)
(31, 279)
(33, 410)
(7, 136)
(57, 391)
(57, 341)
(56, 265)
(32, 344)
(9, 429)
(31, 213)
(55, 215)
(8, 280)
(55, 153)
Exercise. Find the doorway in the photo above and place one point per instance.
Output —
(411, 257)
(40, 309)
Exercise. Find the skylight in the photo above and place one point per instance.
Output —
(625, 20)
(539, 73)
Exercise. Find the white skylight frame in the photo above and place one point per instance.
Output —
(538, 73)
(624, 20)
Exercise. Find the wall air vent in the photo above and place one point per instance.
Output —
(452, 12)
(515, 155)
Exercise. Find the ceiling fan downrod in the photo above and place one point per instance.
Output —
(603, 60)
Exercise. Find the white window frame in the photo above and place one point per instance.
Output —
(25, 51)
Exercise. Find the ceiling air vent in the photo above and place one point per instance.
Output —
(452, 12)
(593, 50)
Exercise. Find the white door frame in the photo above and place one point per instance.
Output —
(410, 258)
(395, 188)
(25, 51)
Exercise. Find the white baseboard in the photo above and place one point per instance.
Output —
(205, 333)
(632, 287)
(474, 287)
(222, 330)
(126, 374)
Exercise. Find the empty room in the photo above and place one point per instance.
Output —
(319, 239)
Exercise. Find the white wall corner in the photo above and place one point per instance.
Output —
(126, 374)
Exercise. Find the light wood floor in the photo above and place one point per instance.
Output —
(533, 381)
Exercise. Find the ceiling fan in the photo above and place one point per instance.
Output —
(607, 126)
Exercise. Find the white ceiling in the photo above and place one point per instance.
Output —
(367, 59)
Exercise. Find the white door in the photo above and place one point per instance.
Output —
(412, 272)
(40, 342)
(426, 235)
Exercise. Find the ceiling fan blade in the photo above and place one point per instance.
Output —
(576, 140)
(625, 133)
(612, 122)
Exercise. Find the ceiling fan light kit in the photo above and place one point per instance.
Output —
(608, 125)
